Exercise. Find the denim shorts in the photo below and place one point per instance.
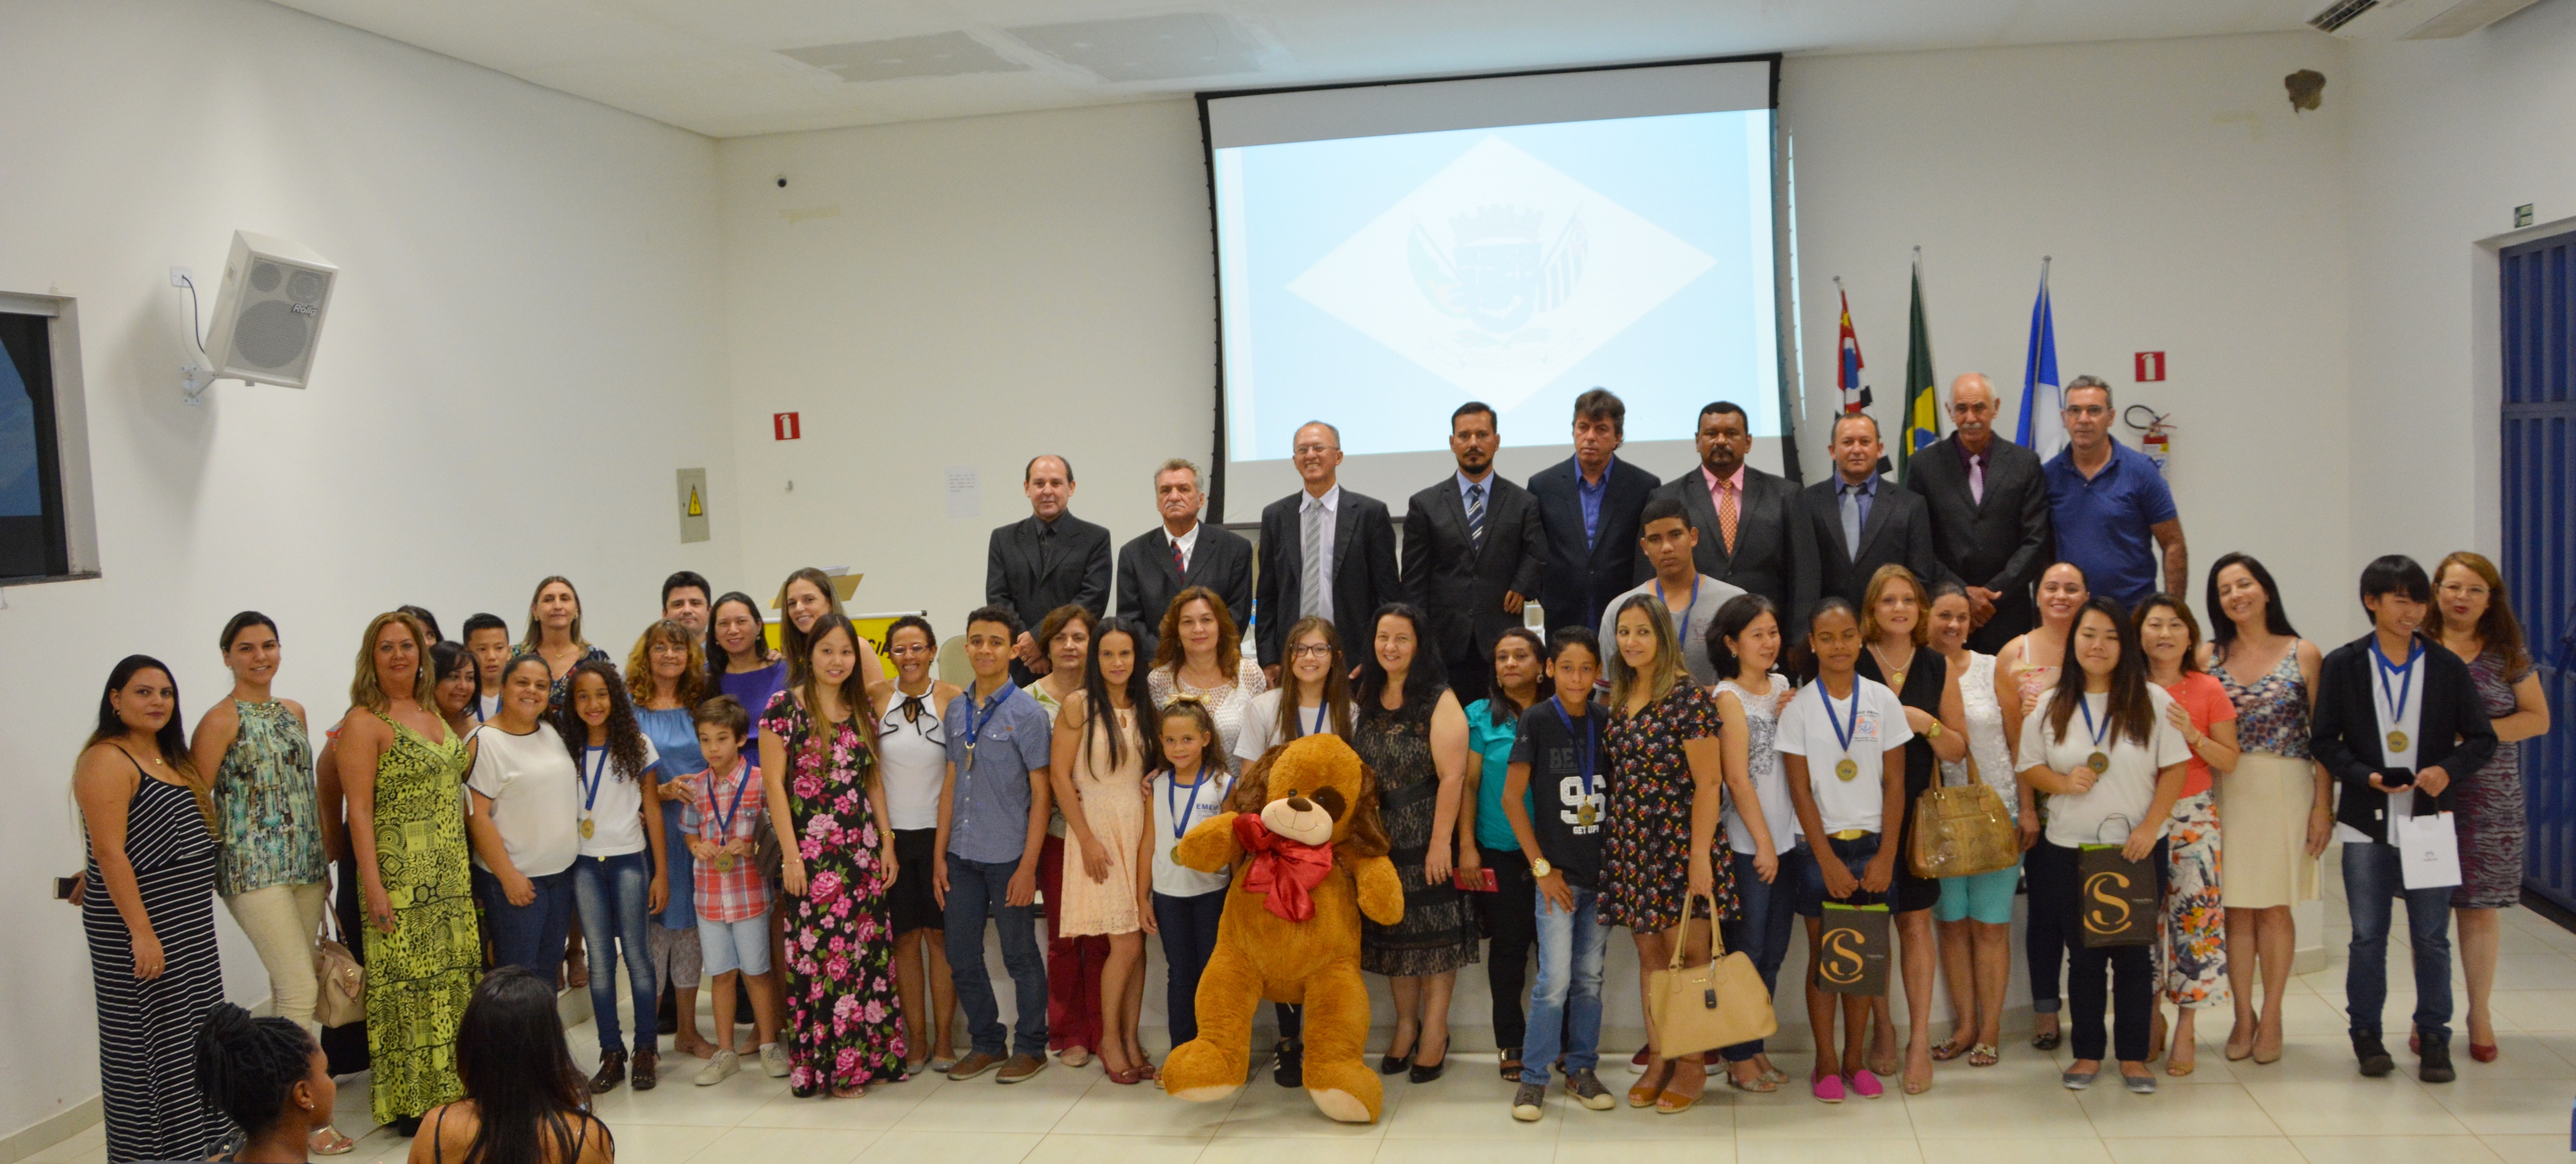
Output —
(1854, 853)
(725, 947)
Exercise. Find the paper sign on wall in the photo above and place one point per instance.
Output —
(693, 505)
(965, 492)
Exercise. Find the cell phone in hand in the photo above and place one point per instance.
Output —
(1479, 880)
(67, 888)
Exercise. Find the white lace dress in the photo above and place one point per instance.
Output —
(1986, 747)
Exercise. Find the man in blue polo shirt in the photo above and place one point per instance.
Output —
(2109, 505)
(991, 825)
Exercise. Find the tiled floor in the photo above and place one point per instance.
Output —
(2309, 1106)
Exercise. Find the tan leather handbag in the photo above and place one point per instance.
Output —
(343, 996)
(1718, 1003)
(1962, 829)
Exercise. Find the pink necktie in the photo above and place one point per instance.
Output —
(1977, 478)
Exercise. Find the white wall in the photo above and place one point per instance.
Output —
(2449, 136)
(962, 293)
(2189, 210)
(526, 324)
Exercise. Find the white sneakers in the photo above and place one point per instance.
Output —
(725, 1063)
(773, 1060)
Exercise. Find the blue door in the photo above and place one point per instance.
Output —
(2539, 310)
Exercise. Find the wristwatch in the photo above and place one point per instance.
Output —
(1540, 868)
(1933, 732)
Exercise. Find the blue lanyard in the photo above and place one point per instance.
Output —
(975, 726)
(725, 819)
(598, 769)
(1318, 729)
(1683, 613)
(2406, 686)
(2085, 705)
(1842, 730)
(1181, 815)
(1586, 745)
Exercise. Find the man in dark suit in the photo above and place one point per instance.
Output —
(1858, 521)
(2398, 724)
(1989, 503)
(1325, 551)
(1473, 548)
(1181, 553)
(1750, 535)
(1587, 506)
(1045, 560)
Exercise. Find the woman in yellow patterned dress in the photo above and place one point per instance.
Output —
(401, 769)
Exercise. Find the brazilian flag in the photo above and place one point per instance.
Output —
(1922, 401)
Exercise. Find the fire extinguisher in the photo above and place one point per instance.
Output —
(2156, 436)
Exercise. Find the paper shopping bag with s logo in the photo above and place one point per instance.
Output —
(1853, 956)
(2115, 897)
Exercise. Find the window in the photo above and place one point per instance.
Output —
(45, 521)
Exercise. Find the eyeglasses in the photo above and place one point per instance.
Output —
(1311, 650)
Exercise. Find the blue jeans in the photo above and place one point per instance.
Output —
(612, 894)
(976, 892)
(1188, 926)
(2371, 876)
(1565, 1001)
(1769, 923)
(530, 936)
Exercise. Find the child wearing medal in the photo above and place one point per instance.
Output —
(1184, 904)
(733, 897)
(2101, 744)
(1558, 763)
(621, 877)
(1842, 748)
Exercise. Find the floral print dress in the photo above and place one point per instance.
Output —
(1645, 862)
(844, 1023)
(2493, 827)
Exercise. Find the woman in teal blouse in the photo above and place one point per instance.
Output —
(1507, 914)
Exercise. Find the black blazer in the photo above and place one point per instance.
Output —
(1769, 552)
(1459, 586)
(1221, 561)
(1363, 579)
(1898, 531)
(2453, 732)
(1581, 579)
(1024, 573)
(2001, 543)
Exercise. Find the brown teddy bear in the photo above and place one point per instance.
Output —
(1305, 816)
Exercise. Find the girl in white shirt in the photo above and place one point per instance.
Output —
(1842, 747)
(2099, 744)
(1313, 696)
(1186, 904)
(620, 879)
(525, 821)
(1743, 642)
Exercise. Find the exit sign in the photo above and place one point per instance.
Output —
(2151, 367)
(785, 426)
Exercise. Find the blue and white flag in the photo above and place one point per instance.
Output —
(2043, 423)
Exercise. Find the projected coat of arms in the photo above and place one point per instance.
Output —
(1500, 273)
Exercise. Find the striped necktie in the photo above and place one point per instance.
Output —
(1476, 516)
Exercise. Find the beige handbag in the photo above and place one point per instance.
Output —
(1718, 1003)
(1960, 830)
(343, 982)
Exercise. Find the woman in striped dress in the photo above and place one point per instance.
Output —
(148, 905)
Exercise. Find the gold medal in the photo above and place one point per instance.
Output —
(724, 863)
(587, 827)
(1583, 816)
(1847, 768)
(2396, 741)
(2099, 762)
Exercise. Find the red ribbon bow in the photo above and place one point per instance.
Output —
(1283, 870)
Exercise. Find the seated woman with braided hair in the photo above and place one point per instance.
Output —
(269, 1076)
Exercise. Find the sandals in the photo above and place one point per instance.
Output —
(1650, 1085)
(1511, 1064)
(1761, 1084)
(327, 1141)
(1673, 1102)
(1944, 1052)
(2048, 1040)
(1984, 1055)
(853, 1091)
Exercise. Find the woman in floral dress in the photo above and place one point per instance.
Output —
(844, 1022)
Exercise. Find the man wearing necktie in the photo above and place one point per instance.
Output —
(1990, 517)
(1857, 521)
(1325, 551)
(1473, 549)
(1182, 552)
(1751, 534)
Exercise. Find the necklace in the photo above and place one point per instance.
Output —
(1895, 674)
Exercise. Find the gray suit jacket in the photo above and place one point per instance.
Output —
(1459, 586)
